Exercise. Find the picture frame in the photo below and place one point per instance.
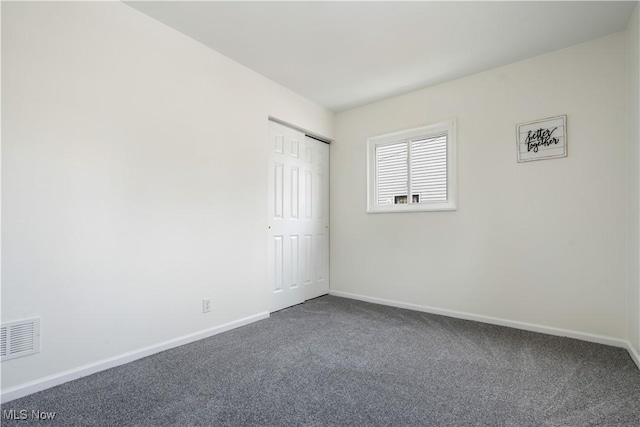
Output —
(542, 139)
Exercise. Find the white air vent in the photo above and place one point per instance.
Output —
(19, 338)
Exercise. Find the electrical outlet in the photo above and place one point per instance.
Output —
(206, 305)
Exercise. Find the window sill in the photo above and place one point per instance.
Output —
(432, 207)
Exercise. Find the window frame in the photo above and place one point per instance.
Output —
(448, 127)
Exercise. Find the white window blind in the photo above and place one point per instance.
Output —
(392, 170)
(429, 169)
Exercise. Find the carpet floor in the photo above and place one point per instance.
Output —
(340, 362)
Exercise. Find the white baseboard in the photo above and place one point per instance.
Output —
(101, 365)
(634, 354)
(600, 339)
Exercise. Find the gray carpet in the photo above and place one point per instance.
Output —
(339, 362)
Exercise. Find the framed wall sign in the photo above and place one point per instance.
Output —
(542, 139)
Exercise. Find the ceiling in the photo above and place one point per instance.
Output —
(345, 54)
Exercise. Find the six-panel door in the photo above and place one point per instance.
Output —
(298, 185)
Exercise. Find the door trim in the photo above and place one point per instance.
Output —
(305, 131)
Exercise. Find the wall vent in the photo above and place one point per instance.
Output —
(19, 338)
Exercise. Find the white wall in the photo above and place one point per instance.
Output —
(133, 182)
(633, 181)
(540, 242)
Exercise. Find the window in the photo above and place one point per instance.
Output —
(418, 162)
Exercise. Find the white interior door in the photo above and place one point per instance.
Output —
(298, 249)
(316, 282)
